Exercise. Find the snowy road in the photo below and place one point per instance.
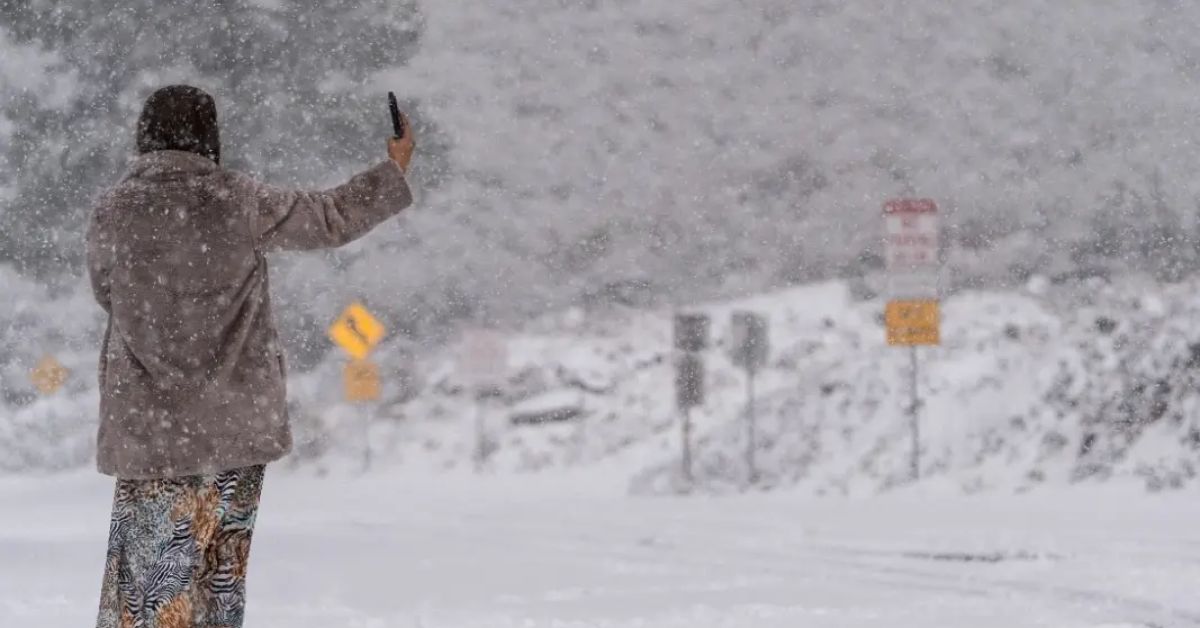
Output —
(459, 553)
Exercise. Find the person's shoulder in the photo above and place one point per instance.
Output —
(232, 185)
(112, 198)
(236, 180)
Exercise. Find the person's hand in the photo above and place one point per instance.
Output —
(400, 150)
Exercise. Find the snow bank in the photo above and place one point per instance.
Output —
(1045, 386)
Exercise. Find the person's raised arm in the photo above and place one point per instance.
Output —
(282, 219)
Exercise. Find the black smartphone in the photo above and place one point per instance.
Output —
(397, 121)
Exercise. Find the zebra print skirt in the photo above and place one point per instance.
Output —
(177, 551)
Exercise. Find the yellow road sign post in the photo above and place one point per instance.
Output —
(913, 316)
(358, 332)
(49, 375)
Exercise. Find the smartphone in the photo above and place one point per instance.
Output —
(397, 121)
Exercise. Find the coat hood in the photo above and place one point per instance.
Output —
(181, 118)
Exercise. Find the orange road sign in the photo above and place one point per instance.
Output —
(913, 323)
(362, 381)
(357, 331)
(49, 375)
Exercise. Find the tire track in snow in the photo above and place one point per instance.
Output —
(674, 558)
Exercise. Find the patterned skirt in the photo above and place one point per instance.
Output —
(177, 551)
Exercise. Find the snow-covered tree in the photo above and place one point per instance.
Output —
(289, 78)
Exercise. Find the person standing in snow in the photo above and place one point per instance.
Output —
(192, 382)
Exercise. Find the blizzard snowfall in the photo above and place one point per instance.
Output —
(588, 170)
(459, 552)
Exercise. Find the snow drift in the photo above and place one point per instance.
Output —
(1045, 385)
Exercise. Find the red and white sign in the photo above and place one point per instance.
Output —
(911, 228)
(913, 315)
(483, 356)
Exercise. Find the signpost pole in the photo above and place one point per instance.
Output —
(913, 314)
(480, 435)
(914, 411)
(751, 428)
(483, 359)
(368, 418)
(691, 339)
(686, 455)
(358, 332)
(749, 350)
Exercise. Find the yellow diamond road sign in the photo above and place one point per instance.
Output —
(357, 331)
(49, 375)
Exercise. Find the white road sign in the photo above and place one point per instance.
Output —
(911, 231)
(483, 356)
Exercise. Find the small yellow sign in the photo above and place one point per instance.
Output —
(357, 331)
(913, 323)
(49, 375)
(362, 381)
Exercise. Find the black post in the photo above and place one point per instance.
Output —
(691, 338)
(367, 419)
(686, 455)
(480, 436)
(914, 412)
(751, 428)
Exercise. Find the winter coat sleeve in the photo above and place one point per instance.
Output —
(282, 219)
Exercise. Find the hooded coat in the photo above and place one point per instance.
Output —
(192, 377)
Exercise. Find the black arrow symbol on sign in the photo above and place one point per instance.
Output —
(352, 323)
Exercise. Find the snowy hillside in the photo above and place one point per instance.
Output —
(709, 148)
(695, 150)
(1033, 387)
(1025, 391)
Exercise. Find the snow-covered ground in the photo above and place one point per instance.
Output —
(385, 551)
(1045, 386)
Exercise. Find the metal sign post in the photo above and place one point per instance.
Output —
(914, 414)
(483, 360)
(751, 431)
(913, 315)
(358, 332)
(362, 384)
(689, 393)
(481, 448)
(691, 337)
(750, 348)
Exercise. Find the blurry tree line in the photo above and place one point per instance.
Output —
(288, 78)
(576, 153)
